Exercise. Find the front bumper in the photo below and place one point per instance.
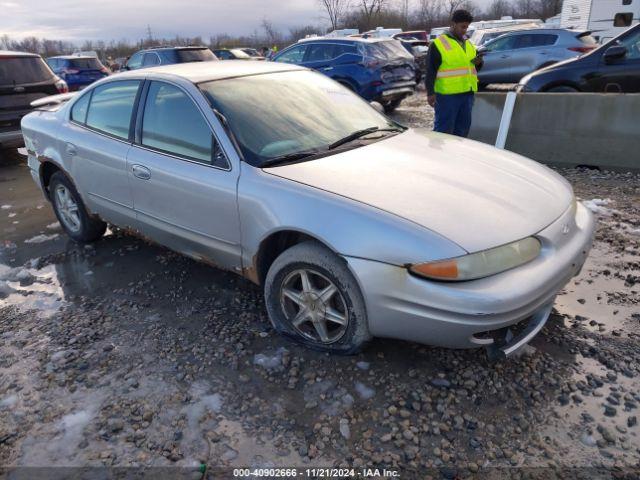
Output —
(458, 314)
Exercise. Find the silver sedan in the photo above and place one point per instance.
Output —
(354, 225)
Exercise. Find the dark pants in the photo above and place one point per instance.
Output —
(453, 113)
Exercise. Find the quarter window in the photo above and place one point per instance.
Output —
(535, 40)
(111, 106)
(79, 109)
(173, 123)
(622, 19)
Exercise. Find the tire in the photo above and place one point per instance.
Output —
(391, 106)
(322, 269)
(562, 89)
(71, 212)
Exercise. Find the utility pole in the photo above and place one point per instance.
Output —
(149, 34)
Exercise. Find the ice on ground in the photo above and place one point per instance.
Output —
(42, 238)
(363, 365)
(598, 205)
(195, 411)
(12, 214)
(5, 207)
(53, 226)
(363, 391)
(270, 362)
(345, 431)
(9, 401)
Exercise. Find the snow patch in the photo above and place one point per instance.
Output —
(270, 362)
(42, 238)
(9, 401)
(5, 207)
(363, 365)
(53, 226)
(363, 391)
(598, 206)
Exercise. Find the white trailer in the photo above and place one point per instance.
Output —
(604, 18)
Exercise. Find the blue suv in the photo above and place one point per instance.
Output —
(78, 72)
(376, 69)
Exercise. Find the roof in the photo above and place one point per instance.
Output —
(9, 53)
(72, 57)
(198, 72)
(345, 39)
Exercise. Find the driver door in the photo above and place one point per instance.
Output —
(621, 75)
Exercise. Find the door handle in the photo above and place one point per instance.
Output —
(141, 172)
(326, 68)
(71, 149)
(505, 56)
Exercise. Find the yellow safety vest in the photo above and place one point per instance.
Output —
(456, 73)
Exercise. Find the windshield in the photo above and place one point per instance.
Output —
(195, 55)
(279, 114)
(17, 70)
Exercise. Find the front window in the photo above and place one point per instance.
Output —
(632, 44)
(173, 124)
(281, 114)
(293, 55)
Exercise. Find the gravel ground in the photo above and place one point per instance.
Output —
(123, 353)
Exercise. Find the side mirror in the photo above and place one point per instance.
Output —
(482, 50)
(377, 106)
(614, 53)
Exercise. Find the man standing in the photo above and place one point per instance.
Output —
(452, 76)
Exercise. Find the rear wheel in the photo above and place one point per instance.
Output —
(71, 212)
(313, 298)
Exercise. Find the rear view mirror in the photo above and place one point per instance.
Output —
(614, 53)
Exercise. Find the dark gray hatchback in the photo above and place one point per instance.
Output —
(24, 77)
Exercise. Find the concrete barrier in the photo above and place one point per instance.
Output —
(570, 129)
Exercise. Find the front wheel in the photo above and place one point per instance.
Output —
(71, 212)
(313, 298)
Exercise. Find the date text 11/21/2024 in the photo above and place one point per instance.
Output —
(315, 473)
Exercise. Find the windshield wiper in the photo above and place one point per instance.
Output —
(289, 157)
(361, 133)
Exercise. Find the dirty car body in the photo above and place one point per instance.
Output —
(394, 207)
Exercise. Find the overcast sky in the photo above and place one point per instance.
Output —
(128, 19)
(116, 19)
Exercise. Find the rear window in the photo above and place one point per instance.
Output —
(85, 63)
(199, 55)
(389, 50)
(240, 54)
(17, 70)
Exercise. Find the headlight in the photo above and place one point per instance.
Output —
(480, 264)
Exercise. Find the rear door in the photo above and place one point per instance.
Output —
(319, 56)
(295, 54)
(96, 145)
(184, 187)
(23, 79)
(532, 50)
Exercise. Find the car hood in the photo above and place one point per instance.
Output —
(475, 195)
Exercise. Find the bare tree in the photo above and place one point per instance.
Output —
(335, 10)
(499, 8)
(371, 9)
(273, 35)
(453, 5)
(429, 12)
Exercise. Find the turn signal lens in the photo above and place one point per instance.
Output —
(481, 264)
